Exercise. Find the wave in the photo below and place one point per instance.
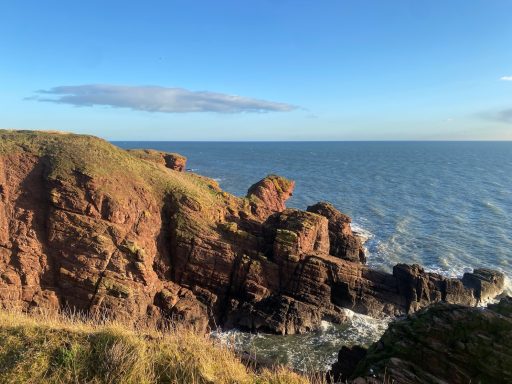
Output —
(363, 234)
(313, 351)
(508, 287)
(493, 208)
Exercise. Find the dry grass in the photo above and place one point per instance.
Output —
(43, 348)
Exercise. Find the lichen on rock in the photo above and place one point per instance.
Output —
(87, 225)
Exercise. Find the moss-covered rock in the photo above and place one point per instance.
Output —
(445, 344)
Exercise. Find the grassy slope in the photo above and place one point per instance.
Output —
(68, 153)
(57, 349)
(95, 157)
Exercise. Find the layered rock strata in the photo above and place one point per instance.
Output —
(86, 225)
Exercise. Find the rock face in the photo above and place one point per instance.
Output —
(442, 344)
(269, 195)
(87, 225)
(345, 366)
(343, 243)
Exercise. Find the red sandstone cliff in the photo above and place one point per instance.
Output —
(84, 224)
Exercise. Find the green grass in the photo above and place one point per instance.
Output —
(70, 154)
(153, 155)
(42, 348)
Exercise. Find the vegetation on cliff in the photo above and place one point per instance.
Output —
(50, 348)
(129, 235)
(87, 225)
(440, 344)
(68, 153)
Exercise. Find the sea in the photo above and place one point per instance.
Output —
(444, 205)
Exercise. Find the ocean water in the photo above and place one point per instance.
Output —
(444, 205)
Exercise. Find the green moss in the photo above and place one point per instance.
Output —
(443, 340)
(229, 227)
(285, 236)
(280, 183)
(114, 288)
(133, 249)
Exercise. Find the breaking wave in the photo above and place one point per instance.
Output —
(315, 351)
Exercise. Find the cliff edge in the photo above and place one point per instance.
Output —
(87, 225)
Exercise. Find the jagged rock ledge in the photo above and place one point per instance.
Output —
(444, 343)
(87, 225)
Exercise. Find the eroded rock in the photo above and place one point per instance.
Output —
(172, 161)
(343, 243)
(86, 225)
(441, 344)
(269, 195)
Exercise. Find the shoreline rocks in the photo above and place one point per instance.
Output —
(87, 225)
(440, 344)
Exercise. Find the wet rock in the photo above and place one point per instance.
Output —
(486, 283)
(345, 366)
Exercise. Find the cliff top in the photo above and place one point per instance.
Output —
(68, 154)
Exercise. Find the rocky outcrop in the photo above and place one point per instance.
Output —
(86, 225)
(419, 288)
(345, 366)
(172, 161)
(343, 243)
(269, 195)
(442, 344)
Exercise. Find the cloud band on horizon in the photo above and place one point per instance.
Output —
(157, 99)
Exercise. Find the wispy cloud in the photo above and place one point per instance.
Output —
(503, 115)
(157, 99)
(506, 78)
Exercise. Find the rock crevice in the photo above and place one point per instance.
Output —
(87, 225)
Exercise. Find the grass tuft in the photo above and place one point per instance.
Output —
(48, 348)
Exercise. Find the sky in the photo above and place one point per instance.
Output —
(258, 70)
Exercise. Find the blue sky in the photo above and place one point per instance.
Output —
(259, 70)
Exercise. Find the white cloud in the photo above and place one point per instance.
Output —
(506, 78)
(157, 99)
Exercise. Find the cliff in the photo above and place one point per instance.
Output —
(441, 344)
(87, 225)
